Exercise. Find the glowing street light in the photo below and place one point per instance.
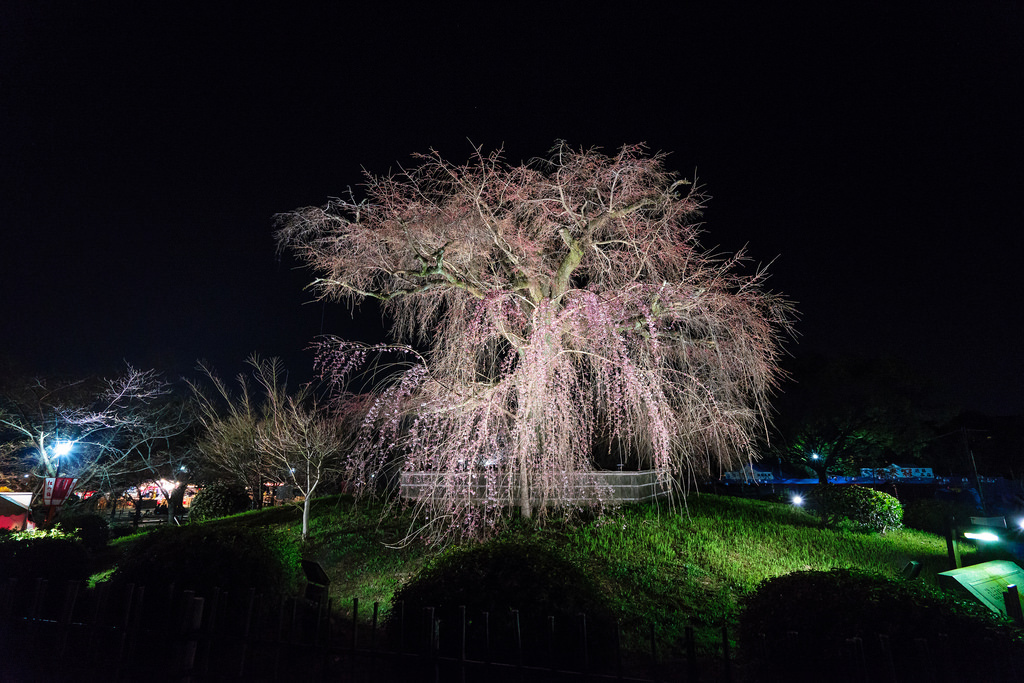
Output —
(814, 456)
(60, 449)
(798, 500)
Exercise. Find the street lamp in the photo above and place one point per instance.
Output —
(60, 449)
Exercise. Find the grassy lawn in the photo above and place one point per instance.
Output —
(670, 567)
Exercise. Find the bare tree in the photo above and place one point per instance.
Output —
(156, 447)
(299, 436)
(87, 418)
(561, 303)
(230, 444)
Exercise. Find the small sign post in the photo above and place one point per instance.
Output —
(988, 583)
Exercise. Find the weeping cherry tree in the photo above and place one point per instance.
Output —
(543, 310)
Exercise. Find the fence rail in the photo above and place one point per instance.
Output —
(569, 487)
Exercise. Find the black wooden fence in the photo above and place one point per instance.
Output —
(67, 632)
(52, 632)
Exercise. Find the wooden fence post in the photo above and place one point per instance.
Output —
(519, 638)
(618, 649)
(858, 668)
(70, 598)
(462, 634)
(373, 626)
(355, 625)
(122, 642)
(551, 643)
(726, 663)
(37, 605)
(487, 637)
(887, 659)
(246, 628)
(952, 544)
(192, 620)
(585, 658)
(401, 627)
(428, 623)
(96, 630)
(925, 665)
(279, 644)
(654, 651)
(692, 672)
(1011, 599)
(209, 632)
(138, 609)
(6, 599)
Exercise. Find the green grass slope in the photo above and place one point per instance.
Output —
(665, 566)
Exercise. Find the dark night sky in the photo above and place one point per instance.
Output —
(875, 150)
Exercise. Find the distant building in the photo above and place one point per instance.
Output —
(749, 474)
(895, 471)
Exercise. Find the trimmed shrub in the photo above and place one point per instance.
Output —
(863, 507)
(498, 577)
(93, 530)
(34, 556)
(218, 500)
(204, 557)
(805, 624)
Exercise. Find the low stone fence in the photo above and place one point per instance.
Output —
(606, 486)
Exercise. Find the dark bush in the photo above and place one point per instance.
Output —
(204, 557)
(933, 514)
(25, 558)
(500, 576)
(55, 559)
(93, 530)
(802, 623)
(863, 507)
(218, 500)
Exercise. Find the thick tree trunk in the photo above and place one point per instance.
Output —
(137, 518)
(174, 502)
(113, 506)
(525, 508)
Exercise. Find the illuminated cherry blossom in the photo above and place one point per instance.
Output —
(541, 313)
